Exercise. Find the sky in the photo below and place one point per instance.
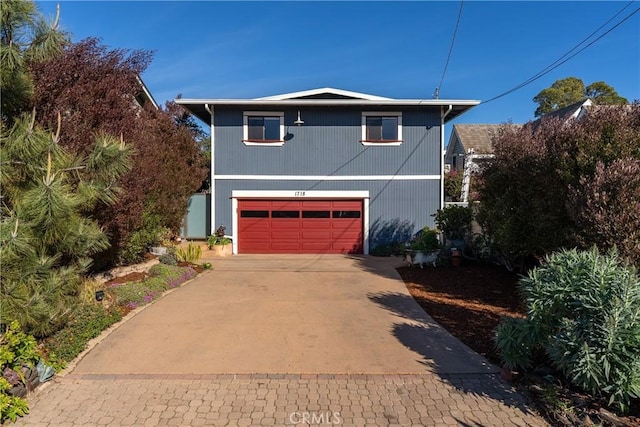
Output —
(211, 49)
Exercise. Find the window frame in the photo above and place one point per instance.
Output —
(262, 142)
(381, 142)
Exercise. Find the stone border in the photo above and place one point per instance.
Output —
(257, 376)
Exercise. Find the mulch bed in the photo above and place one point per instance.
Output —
(468, 301)
(127, 278)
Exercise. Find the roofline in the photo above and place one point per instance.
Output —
(147, 92)
(327, 102)
(319, 91)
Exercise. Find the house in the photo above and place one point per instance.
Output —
(577, 110)
(324, 170)
(469, 139)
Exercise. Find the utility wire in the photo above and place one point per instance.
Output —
(453, 40)
(564, 58)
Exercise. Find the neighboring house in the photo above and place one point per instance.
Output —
(144, 95)
(324, 170)
(469, 139)
(577, 110)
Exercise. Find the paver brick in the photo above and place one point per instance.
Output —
(365, 400)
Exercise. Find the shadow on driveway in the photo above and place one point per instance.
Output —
(452, 361)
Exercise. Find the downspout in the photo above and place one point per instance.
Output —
(443, 116)
(212, 176)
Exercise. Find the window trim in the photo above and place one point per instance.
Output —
(262, 143)
(378, 143)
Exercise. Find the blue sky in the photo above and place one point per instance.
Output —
(207, 49)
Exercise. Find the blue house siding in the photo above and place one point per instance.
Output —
(329, 144)
(406, 204)
(325, 158)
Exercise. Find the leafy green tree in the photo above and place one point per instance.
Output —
(25, 37)
(46, 234)
(568, 91)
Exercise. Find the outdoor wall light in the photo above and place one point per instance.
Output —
(299, 121)
(99, 295)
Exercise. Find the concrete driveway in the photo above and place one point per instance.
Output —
(325, 314)
(282, 340)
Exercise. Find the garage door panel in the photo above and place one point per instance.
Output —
(293, 235)
(345, 224)
(323, 235)
(300, 226)
(321, 224)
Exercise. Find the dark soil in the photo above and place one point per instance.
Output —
(127, 278)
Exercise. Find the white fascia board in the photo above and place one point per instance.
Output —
(332, 102)
(328, 177)
(319, 91)
(301, 194)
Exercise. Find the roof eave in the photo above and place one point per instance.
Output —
(460, 106)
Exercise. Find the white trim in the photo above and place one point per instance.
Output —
(290, 194)
(443, 115)
(330, 177)
(365, 226)
(212, 171)
(234, 225)
(320, 91)
(245, 127)
(264, 144)
(382, 143)
(332, 102)
(299, 194)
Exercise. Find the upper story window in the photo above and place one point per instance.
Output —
(381, 128)
(263, 128)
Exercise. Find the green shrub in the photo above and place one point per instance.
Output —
(583, 312)
(17, 349)
(454, 221)
(87, 322)
(11, 407)
(168, 259)
(165, 271)
(191, 254)
(426, 240)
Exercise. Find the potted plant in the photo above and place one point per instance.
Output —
(425, 247)
(219, 242)
(162, 241)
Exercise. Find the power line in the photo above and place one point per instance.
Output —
(564, 58)
(446, 65)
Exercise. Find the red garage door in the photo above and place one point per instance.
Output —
(299, 226)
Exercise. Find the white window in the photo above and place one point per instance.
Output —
(381, 128)
(263, 128)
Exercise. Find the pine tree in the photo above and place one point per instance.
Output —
(46, 234)
(25, 37)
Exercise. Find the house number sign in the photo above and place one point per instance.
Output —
(299, 193)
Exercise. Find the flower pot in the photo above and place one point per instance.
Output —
(159, 250)
(221, 250)
(456, 257)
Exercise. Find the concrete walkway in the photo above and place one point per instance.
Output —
(283, 340)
